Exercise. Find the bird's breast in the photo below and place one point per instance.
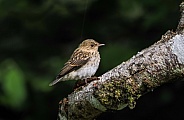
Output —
(87, 70)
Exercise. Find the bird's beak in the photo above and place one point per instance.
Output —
(101, 44)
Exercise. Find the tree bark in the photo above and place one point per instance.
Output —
(120, 87)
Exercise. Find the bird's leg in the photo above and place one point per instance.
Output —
(79, 84)
(85, 81)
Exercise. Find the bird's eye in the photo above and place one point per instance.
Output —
(92, 45)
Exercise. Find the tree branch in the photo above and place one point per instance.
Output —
(161, 63)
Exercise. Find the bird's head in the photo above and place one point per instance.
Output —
(90, 44)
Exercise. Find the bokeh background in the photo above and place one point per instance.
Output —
(38, 36)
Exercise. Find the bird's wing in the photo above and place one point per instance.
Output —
(78, 59)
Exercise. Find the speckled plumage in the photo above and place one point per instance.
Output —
(82, 64)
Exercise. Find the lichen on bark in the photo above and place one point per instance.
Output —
(161, 63)
(148, 69)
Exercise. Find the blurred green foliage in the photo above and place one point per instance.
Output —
(13, 84)
(38, 36)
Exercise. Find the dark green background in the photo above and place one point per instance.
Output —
(38, 36)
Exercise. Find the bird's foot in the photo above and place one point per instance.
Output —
(88, 80)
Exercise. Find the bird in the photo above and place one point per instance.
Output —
(82, 64)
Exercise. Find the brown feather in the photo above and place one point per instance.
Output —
(78, 59)
(81, 58)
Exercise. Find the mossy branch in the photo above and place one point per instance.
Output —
(161, 63)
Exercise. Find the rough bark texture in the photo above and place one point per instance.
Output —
(180, 28)
(161, 63)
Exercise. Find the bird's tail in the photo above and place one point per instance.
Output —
(55, 81)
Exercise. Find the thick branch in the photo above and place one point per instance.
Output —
(180, 28)
(124, 84)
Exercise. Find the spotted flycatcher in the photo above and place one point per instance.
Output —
(82, 64)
